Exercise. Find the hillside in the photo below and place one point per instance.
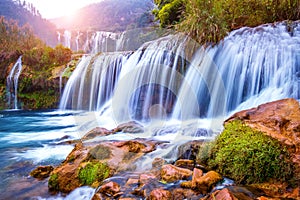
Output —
(26, 13)
(109, 15)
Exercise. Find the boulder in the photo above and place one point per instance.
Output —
(96, 132)
(185, 163)
(279, 120)
(160, 194)
(129, 127)
(203, 184)
(171, 173)
(41, 172)
(109, 157)
(110, 189)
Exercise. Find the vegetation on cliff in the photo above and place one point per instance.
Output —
(37, 86)
(26, 14)
(209, 21)
(248, 156)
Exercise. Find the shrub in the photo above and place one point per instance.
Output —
(209, 21)
(249, 156)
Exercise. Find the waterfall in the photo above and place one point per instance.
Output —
(250, 67)
(168, 78)
(93, 81)
(67, 38)
(150, 80)
(12, 84)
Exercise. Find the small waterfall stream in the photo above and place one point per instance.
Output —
(12, 84)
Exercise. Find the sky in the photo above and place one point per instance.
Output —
(56, 8)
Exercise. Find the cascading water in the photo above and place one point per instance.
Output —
(67, 38)
(250, 67)
(93, 81)
(12, 84)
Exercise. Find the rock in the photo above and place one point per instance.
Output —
(184, 163)
(190, 149)
(96, 132)
(144, 178)
(112, 156)
(171, 173)
(279, 120)
(41, 172)
(181, 193)
(278, 190)
(221, 194)
(110, 189)
(203, 183)
(160, 194)
(129, 127)
(158, 163)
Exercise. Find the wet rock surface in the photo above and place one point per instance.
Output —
(183, 178)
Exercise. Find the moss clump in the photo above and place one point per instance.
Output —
(93, 172)
(249, 156)
(53, 182)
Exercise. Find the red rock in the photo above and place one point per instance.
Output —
(41, 172)
(223, 194)
(96, 132)
(110, 188)
(185, 163)
(171, 173)
(160, 194)
(205, 183)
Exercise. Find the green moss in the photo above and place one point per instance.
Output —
(39, 99)
(249, 156)
(93, 172)
(53, 182)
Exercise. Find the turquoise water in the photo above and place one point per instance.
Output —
(29, 139)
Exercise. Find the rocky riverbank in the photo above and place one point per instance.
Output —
(116, 168)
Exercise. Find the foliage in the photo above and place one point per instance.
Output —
(249, 156)
(209, 21)
(26, 14)
(53, 182)
(44, 57)
(168, 12)
(46, 98)
(93, 172)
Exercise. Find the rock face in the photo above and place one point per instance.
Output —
(109, 156)
(279, 120)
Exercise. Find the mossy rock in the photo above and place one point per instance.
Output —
(93, 173)
(249, 156)
(100, 152)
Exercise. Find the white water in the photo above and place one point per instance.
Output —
(12, 84)
(92, 82)
(252, 66)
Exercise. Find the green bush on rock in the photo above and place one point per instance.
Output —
(93, 172)
(248, 156)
